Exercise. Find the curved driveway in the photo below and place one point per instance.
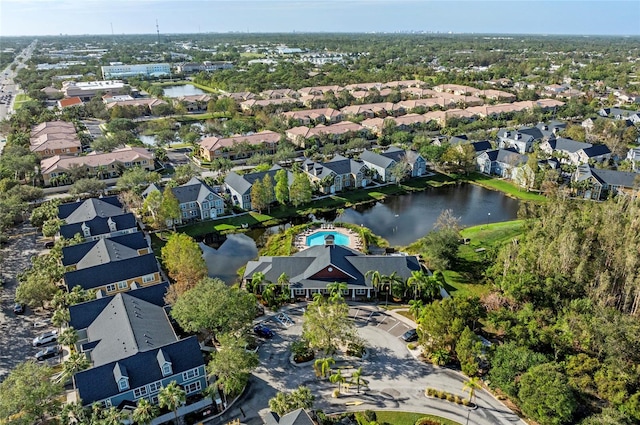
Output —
(396, 379)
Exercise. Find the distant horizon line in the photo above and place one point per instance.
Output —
(415, 32)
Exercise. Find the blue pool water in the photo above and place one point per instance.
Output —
(318, 238)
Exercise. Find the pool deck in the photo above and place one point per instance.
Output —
(355, 241)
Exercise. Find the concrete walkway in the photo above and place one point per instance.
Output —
(397, 380)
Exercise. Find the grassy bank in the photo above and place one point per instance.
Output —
(504, 186)
(280, 214)
(184, 82)
(20, 99)
(466, 278)
(407, 418)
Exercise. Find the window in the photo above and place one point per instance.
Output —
(194, 213)
(105, 403)
(111, 287)
(123, 384)
(148, 278)
(183, 206)
(361, 291)
(123, 285)
(205, 205)
(154, 399)
(166, 369)
(192, 387)
(190, 374)
(140, 392)
(298, 291)
(184, 214)
(154, 387)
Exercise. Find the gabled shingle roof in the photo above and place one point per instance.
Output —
(102, 251)
(596, 150)
(74, 253)
(117, 271)
(77, 212)
(376, 159)
(609, 177)
(194, 190)
(303, 267)
(83, 314)
(126, 326)
(482, 146)
(568, 145)
(242, 183)
(99, 225)
(142, 368)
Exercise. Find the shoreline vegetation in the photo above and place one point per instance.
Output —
(282, 214)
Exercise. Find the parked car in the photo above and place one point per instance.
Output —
(47, 353)
(18, 308)
(45, 338)
(410, 335)
(42, 323)
(263, 331)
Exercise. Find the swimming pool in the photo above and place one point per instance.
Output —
(318, 238)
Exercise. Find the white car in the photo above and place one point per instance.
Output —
(45, 338)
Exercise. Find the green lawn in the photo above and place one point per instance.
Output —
(20, 99)
(471, 262)
(505, 187)
(407, 418)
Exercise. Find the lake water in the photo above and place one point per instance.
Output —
(401, 220)
(181, 90)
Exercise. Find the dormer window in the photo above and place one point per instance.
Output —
(164, 363)
(123, 384)
(86, 231)
(121, 376)
(112, 225)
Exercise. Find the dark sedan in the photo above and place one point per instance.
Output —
(263, 331)
(47, 353)
(410, 335)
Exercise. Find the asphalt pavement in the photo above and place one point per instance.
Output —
(397, 379)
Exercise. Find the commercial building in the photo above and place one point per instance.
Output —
(120, 70)
(87, 90)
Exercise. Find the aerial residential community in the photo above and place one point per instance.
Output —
(350, 222)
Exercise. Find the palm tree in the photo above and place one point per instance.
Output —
(396, 285)
(415, 306)
(472, 385)
(172, 397)
(269, 295)
(256, 280)
(283, 280)
(416, 280)
(144, 412)
(337, 378)
(76, 362)
(336, 290)
(112, 416)
(356, 379)
(376, 279)
(73, 413)
(68, 337)
(323, 366)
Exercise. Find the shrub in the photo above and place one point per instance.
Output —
(441, 394)
(370, 415)
(335, 393)
(427, 421)
(411, 346)
(457, 399)
(466, 402)
(450, 397)
(431, 392)
(355, 349)
(301, 351)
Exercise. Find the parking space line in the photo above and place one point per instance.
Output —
(369, 318)
(357, 312)
(389, 330)
(382, 321)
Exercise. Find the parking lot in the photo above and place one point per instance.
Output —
(18, 331)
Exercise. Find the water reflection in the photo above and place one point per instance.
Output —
(400, 219)
(181, 90)
(403, 219)
(233, 253)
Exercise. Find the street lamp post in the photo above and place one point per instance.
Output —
(488, 217)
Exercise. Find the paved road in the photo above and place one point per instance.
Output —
(396, 379)
(7, 83)
(17, 332)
